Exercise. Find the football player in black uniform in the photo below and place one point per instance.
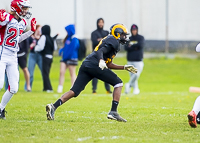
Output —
(98, 65)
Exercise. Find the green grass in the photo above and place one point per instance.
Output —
(158, 114)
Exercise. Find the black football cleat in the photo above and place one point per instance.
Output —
(50, 109)
(113, 115)
(2, 114)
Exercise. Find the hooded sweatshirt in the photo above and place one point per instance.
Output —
(49, 45)
(98, 33)
(135, 47)
(46, 44)
(71, 46)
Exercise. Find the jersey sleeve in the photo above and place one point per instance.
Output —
(25, 35)
(8, 19)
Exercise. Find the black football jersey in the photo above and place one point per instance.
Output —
(108, 42)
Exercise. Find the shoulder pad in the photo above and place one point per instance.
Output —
(112, 41)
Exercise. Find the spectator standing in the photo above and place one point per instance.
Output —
(46, 46)
(34, 57)
(96, 37)
(69, 57)
(135, 58)
(22, 61)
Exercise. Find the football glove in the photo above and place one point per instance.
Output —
(102, 64)
(33, 25)
(130, 68)
(2, 17)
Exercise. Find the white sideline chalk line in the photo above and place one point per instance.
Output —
(152, 93)
(84, 138)
(100, 138)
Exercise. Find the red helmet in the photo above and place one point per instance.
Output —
(18, 5)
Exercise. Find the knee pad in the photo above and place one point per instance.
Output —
(12, 90)
(118, 85)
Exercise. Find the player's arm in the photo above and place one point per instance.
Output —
(129, 68)
(99, 55)
(111, 65)
(30, 32)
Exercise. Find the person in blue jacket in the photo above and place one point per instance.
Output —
(69, 55)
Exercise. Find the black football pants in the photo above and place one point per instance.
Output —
(87, 73)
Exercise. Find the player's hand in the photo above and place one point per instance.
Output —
(2, 17)
(130, 68)
(102, 64)
(33, 24)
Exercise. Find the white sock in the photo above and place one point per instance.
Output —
(5, 99)
(196, 107)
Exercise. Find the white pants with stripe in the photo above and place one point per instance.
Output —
(9, 64)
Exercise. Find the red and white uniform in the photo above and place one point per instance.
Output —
(10, 32)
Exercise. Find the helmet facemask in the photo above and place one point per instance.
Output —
(123, 38)
(26, 13)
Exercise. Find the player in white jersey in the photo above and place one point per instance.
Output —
(193, 116)
(12, 26)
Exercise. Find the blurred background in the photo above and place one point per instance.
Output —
(167, 25)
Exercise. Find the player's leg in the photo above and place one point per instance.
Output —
(13, 77)
(94, 85)
(63, 68)
(13, 80)
(193, 114)
(81, 81)
(111, 78)
(2, 76)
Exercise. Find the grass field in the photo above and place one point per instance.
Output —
(158, 114)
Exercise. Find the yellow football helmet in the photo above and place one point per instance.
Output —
(119, 31)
